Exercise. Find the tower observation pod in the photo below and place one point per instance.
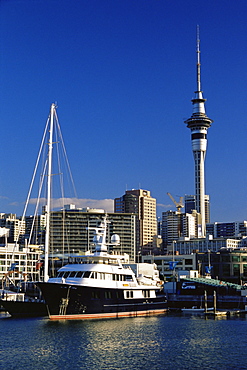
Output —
(199, 123)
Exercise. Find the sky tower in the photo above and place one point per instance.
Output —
(199, 123)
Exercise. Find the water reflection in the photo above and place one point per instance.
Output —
(137, 343)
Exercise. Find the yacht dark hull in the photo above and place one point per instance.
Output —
(24, 309)
(83, 302)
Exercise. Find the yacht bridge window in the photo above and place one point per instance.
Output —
(94, 275)
(70, 274)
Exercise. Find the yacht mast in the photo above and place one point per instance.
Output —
(48, 210)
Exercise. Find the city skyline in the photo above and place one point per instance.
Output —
(123, 74)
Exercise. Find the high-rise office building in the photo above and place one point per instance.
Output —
(35, 229)
(176, 225)
(199, 123)
(143, 205)
(190, 205)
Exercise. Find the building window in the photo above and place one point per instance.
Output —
(188, 262)
(226, 270)
(225, 258)
(158, 262)
(236, 270)
(235, 259)
(244, 270)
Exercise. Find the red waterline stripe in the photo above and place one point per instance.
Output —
(107, 315)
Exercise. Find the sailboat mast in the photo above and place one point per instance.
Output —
(48, 210)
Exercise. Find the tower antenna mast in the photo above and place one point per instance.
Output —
(198, 60)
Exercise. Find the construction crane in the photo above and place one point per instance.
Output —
(179, 204)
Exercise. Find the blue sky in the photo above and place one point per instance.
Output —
(123, 73)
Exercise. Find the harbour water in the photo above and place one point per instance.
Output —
(163, 342)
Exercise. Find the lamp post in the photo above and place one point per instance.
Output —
(173, 267)
(199, 267)
(139, 256)
(209, 259)
(209, 263)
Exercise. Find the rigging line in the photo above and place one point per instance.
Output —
(41, 182)
(32, 181)
(63, 234)
(58, 151)
(59, 162)
(65, 154)
(38, 201)
(67, 161)
(36, 166)
(56, 128)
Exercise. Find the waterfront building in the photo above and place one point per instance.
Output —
(199, 123)
(141, 203)
(69, 233)
(227, 229)
(15, 225)
(18, 263)
(183, 263)
(227, 264)
(202, 245)
(233, 265)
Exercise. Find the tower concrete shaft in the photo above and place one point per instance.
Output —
(199, 123)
